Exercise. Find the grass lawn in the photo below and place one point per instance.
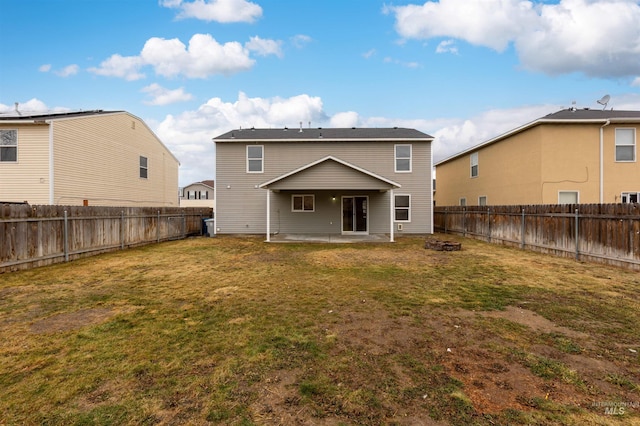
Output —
(236, 331)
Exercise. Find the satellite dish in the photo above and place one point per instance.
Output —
(604, 101)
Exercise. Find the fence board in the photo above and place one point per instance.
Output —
(35, 235)
(607, 233)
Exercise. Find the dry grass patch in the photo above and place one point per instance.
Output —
(236, 331)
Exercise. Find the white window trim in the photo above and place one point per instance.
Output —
(141, 167)
(396, 158)
(569, 191)
(615, 154)
(627, 193)
(12, 146)
(293, 210)
(471, 164)
(486, 200)
(261, 159)
(395, 208)
(462, 201)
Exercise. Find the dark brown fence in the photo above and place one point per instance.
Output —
(606, 233)
(40, 235)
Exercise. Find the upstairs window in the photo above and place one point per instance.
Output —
(302, 203)
(403, 208)
(144, 168)
(625, 144)
(255, 158)
(403, 158)
(8, 145)
(474, 165)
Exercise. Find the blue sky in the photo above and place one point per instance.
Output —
(463, 71)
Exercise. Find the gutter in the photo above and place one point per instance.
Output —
(602, 160)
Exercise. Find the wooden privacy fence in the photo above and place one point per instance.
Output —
(606, 233)
(33, 235)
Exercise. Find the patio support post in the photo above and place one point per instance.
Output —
(268, 215)
(391, 211)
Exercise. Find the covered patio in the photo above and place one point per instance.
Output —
(329, 200)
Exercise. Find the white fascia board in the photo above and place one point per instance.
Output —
(337, 160)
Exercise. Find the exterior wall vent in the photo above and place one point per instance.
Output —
(399, 227)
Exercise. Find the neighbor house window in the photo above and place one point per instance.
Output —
(403, 208)
(144, 167)
(8, 145)
(303, 203)
(255, 158)
(567, 197)
(630, 197)
(474, 165)
(625, 144)
(463, 201)
(482, 201)
(403, 158)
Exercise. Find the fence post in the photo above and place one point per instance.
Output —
(66, 237)
(122, 230)
(158, 227)
(489, 224)
(577, 237)
(184, 225)
(464, 221)
(522, 230)
(445, 220)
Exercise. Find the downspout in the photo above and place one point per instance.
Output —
(602, 160)
(391, 214)
(51, 164)
(268, 215)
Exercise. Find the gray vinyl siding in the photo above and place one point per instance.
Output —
(241, 204)
(329, 175)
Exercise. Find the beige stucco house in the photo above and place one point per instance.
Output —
(198, 194)
(346, 181)
(568, 157)
(104, 158)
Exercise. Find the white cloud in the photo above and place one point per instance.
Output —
(162, 96)
(127, 67)
(67, 71)
(264, 47)
(369, 53)
(30, 106)
(300, 40)
(636, 82)
(447, 46)
(44, 68)
(202, 58)
(223, 11)
(345, 119)
(596, 37)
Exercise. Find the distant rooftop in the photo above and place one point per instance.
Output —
(299, 134)
(50, 115)
(590, 114)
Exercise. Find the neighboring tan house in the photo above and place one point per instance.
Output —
(568, 157)
(102, 158)
(354, 181)
(198, 194)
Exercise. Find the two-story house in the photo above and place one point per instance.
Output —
(335, 181)
(198, 194)
(568, 157)
(103, 158)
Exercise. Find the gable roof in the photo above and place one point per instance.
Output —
(565, 116)
(387, 183)
(328, 134)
